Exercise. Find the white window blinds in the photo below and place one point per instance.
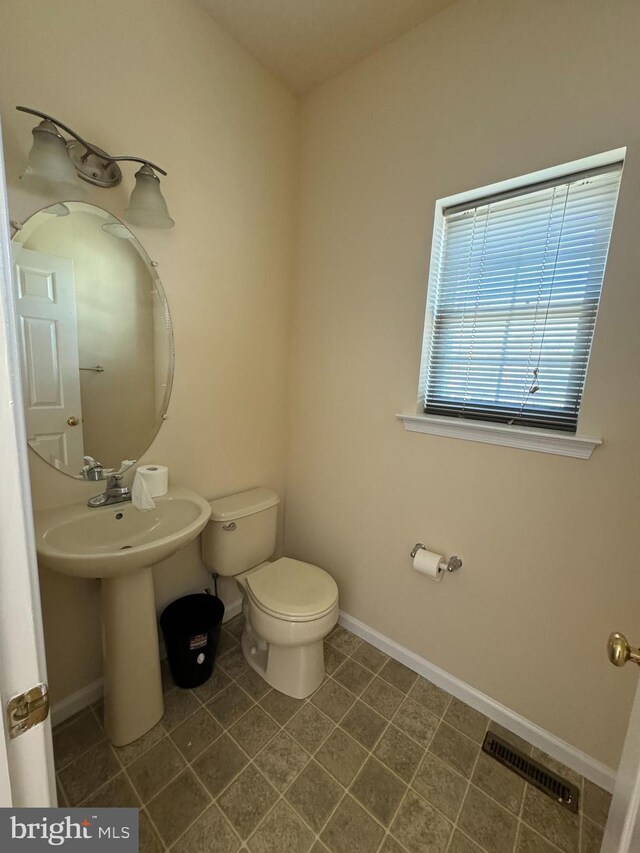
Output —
(514, 292)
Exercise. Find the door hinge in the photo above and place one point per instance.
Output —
(27, 710)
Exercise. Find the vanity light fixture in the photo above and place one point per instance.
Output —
(55, 163)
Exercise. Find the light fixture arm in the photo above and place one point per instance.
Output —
(90, 149)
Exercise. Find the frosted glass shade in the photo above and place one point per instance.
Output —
(147, 207)
(49, 170)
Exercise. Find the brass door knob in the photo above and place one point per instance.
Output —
(73, 421)
(619, 650)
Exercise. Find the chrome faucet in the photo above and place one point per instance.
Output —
(115, 493)
(92, 469)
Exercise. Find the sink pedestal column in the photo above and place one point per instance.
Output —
(133, 701)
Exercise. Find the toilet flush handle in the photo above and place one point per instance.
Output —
(230, 525)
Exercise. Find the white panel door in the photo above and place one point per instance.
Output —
(46, 307)
(26, 762)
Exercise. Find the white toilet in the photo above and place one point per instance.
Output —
(289, 606)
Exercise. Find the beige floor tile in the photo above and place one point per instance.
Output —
(253, 730)
(440, 785)
(88, 773)
(116, 794)
(370, 657)
(341, 756)
(281, 831)
(383, 698)
(129, 753)
(309, 727)
(218, 681)
(591, 837)
(420, 827)
(487, 823)
(333, 700)
(319, 847)
(177, 806)
(430, 696)
(196, 734)
(229, 705)
(455, 748)
(390, 845)
(461, 844)
(467, 720)
(378, 790)
(332, 658)
(557, 824)
(60, 794)
(344, 641)
(254, 685)
(398, 675)
(226, 643)
(72, 739)
(281, 760)
(529, 841)
(211, 831)
(155, 769)
(178, 705)
(364, 724)
(234, 663)
(595, 803)
(352, 830)
(314, 795)
(416, 721)
(353, 676)
(235, 626)
(219, 764)
(281, 707)
(399, 752)
(247, 800)
(148, 837)
(499, 782)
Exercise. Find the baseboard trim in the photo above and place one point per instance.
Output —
(77, 701)
(232, 610)
(579, 761)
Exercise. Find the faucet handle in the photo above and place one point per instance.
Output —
(114, 481)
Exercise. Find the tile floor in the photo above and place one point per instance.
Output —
(378, 759)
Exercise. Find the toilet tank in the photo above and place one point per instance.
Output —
(241, 533)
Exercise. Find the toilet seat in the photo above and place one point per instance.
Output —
(292, 590)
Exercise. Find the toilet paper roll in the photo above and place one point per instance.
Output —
(429, 564)
(156, 477)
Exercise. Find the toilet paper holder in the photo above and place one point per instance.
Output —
(453, 563)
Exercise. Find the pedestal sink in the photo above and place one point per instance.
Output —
(120, 544)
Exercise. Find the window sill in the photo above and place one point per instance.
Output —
(544, 441)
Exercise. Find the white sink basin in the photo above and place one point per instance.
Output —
(120, 544)
(103, 542)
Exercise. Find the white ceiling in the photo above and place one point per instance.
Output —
(305, 42)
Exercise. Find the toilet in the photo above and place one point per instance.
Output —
(289, 606)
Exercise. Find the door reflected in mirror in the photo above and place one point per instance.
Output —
(95, 339)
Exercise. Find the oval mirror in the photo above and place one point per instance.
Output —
(95, 338)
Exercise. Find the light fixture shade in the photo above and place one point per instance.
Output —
(49, 170)
(147, 207)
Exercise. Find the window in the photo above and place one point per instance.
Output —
(513, 295)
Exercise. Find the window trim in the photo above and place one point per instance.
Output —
(526, 438)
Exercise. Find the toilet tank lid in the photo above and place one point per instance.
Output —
(242, 504)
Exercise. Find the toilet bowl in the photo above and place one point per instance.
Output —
(289, 606)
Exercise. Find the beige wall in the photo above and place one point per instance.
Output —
(159, 78)
(483, 92)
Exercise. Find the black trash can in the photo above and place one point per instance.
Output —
(191, 628)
